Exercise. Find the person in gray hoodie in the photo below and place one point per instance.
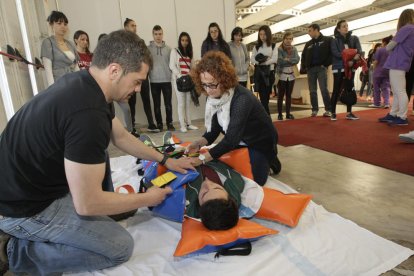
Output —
(160, 77)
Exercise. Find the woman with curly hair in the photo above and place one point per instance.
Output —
(234, 111)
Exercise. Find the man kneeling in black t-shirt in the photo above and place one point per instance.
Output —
(53, 158)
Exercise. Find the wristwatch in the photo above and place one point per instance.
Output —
(202, 158)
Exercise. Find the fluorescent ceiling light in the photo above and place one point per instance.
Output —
(314, 15)
(270, 11)
(355, 25)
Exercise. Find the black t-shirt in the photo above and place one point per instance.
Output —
(72, 120)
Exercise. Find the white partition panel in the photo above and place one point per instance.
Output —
(17, 73)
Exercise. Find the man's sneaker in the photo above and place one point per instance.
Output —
(333, 117)
(192, 127)
(386, 106)
(183, 129)
(4, 260)
(327, 114)
(398, 122)
(170, 127)
(387, 118)
(407, 137)
(147, 140)
(289, 117)
(160, 127)
(351, 116)
(374, 106)
(153, 128)
(166, 138)
(314, 113)
(280, 117)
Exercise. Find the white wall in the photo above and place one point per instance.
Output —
(103, 16)
(174, 16)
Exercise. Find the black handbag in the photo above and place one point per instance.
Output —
(348, 93)
(184, 83)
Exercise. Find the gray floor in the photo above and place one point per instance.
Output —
(375, 198)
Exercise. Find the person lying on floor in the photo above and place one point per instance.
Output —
(217, 194)
(234, 111)
(53, 155)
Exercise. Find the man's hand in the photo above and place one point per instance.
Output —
(157, 195)
(179, 165)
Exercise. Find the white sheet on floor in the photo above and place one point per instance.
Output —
(323, 243)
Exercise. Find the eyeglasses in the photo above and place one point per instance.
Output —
(210, 85)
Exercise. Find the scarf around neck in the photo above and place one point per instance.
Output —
(221, 105)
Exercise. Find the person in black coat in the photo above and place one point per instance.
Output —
(234, 111)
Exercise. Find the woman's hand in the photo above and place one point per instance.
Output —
(194, 147)
(195, 161)
(179, 165)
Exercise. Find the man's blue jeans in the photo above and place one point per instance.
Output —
(318, 73)
(58, 240)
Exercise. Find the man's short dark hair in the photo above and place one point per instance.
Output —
(315, 27)
(219, 214)
(122, 47)
(157, 28)
(127, 20)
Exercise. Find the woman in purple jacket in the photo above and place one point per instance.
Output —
(399, 62)
(381, 75)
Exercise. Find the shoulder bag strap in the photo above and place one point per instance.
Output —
(189, 67)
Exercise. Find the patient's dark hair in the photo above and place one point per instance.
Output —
(219, 214)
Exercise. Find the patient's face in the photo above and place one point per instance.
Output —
(210, 190)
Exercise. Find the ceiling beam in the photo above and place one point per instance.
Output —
(312, 16)
(268, 12)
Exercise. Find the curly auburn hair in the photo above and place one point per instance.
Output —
(218, 65)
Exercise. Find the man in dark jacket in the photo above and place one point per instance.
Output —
(316, 57)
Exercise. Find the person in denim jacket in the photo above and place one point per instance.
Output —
(343, 40)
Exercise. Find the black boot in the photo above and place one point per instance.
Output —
(275, 166)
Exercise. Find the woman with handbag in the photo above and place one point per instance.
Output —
(264, 57)
(180, 65)
(288, 59)
(343, 40)
(232, 110)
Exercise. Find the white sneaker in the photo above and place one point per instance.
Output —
(192, 127)
(375, 106)
(183, 129)
(407, 137)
